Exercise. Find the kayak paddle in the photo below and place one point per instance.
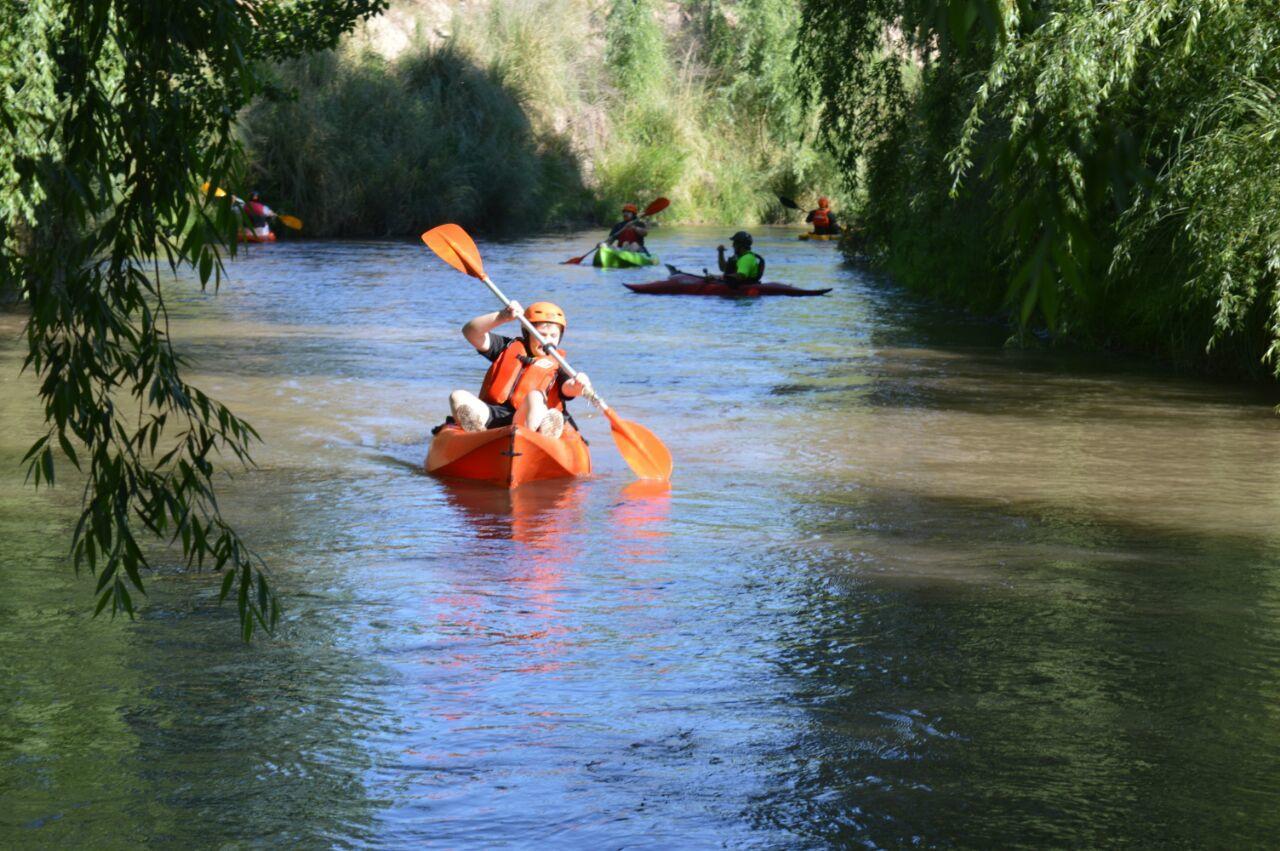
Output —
(644, 453)
(788, 203)
(658, 205)
(290, 221)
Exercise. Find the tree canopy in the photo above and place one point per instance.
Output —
(114, 113)
(1105, 169)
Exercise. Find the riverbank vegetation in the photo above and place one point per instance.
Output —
(113, 112)
(1106, 172)
(523, 114)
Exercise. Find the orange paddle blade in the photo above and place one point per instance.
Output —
(658, 205)
(647, 457)
(292, 221)
(455, 247)
(218, 193)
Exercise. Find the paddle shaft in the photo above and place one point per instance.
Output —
(591, 395)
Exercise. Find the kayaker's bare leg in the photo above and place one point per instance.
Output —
(468, 411)
(553, 424)
(538, 418)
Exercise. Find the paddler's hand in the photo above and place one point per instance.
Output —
(578, 385)
(720, 249)
(510, 312)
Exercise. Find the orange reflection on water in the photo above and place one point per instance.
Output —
(516, 626)
(640, 520)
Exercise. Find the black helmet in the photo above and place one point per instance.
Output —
(741, 238)
(254, 196)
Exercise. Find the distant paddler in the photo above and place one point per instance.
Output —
(823, 218)
(744, 266)
(259, 216)
(629, 233)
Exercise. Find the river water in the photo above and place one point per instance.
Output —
(908, 587)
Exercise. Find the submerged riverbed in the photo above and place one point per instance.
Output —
(907, 586)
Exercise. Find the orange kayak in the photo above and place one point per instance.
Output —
(250, 236)
(507, 456)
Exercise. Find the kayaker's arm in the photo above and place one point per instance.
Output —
(720, 259)
(477, 330)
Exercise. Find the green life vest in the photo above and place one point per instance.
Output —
(748, 266)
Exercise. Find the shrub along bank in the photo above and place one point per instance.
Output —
(1105, 171)
(537, 113)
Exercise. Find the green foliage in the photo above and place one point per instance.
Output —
(538, 112)
(1108, 162)
(636, 49)
(371, 147)
(115, 112)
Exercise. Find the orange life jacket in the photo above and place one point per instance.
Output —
(821, 219)
(514, 374)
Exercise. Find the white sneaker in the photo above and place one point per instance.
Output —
(472, 416)
(552, 424)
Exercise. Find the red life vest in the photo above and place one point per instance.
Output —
(629, 235)
(821, 219)
(513, 375)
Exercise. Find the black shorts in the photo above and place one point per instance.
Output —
(500, 415)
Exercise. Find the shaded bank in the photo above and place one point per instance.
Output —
(373, 147)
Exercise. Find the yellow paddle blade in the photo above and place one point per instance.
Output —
(647, 456)
(292, 221)
(455, 247)
(218, 193)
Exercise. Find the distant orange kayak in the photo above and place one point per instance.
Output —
(250, 236)
(507, 456)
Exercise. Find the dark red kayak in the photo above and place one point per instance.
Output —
(684, 284)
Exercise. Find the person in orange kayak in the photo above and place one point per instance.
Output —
(521, 374)
(258, 213)
(744, 266)
(823, 219)
(629, 233)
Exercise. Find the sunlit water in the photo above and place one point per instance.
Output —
(908, 586)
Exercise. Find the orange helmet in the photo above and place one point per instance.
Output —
(544, 311)
(823, 203)
(630, 208)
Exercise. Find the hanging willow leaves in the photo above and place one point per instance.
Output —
(115, 113)
(1100, 169)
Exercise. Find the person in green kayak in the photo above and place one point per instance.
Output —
(744, 266)
(823, 219)
(629, 233)
(521, 374)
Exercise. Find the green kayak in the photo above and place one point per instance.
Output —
(616, 258)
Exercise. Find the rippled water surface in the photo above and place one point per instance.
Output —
(907, 587)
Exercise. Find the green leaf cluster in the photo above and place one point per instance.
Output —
(1100, 169)
(113, 114)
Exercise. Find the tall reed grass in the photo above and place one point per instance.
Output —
(541, 113)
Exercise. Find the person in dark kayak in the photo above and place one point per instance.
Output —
(744, 266)
(258, 214)
(629, 233)
(823, 219)
(521, 374)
